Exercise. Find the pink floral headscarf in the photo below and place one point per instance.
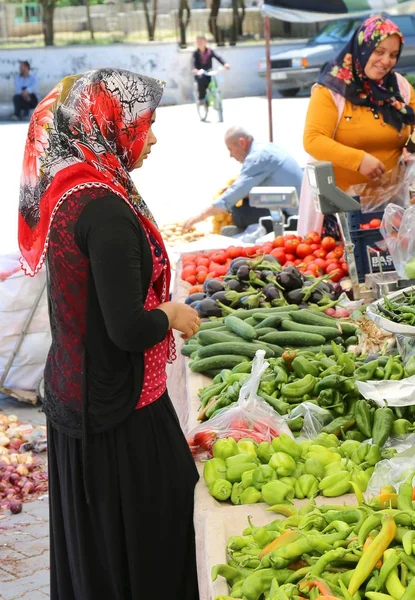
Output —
(346, 74)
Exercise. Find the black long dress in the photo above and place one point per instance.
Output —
(121, 479)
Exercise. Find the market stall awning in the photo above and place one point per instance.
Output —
(309, 11)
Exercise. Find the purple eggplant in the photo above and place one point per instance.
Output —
(235, 285)
(211, 286)
(235, 264)
(221, 297)
(270, 258)
(196, 297)
(295, 296)
(243, 272)
(271, 292)
(289, 280)
(208, 308)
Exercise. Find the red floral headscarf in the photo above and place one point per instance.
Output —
(88, 131)
(346, 74)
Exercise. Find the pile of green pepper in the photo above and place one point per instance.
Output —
(327, 552)
(327, 381)
(245, 472)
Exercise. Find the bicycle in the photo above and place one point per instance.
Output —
(213, 97)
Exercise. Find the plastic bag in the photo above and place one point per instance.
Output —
(250, 417)
(398, 231)
(315, 418)
(389, 393)
(393, 186)
(394, 471)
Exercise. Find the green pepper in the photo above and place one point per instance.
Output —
(264, 452)
(361, 478)
(333, 468)
(405, 493)
(283, 464)
(324, 455)
(331, 382)
(306, 487)
(382, 426)
(347, 363)
(349, 387)
(402, 427)
(299, 388)
(366, 371)
(237, 542)
(225, 448)
(259, 583)
(236, 465)
(335, 370)
(237, 491)
(268, 387)
(277, 404)
(305, 447)
(284, 443)
(363, 418)
(409, 369)
(348, 447)
(332, 399)
(214, 469)
(303, 367)
(220, 489)
(337, 350)
(262, 475)
(288, 481)
(296, 424)
(328, 440)
(250, 495)
(231, 574)
(246, 478)
(340, 425)
(335, 485)
(313, 466)
(366, 453)
(246, 446)
(276, 492)
(281, 375)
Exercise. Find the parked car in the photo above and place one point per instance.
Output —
(298, 69)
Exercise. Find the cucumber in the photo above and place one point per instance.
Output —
(293, 338)
(189, 349)
(260, 316)
(326, 349)
(351, 341)
(309, 317)
(241, 313)
(347, 328)
(206, 338)
(241, 348)
(272, 321)
(240, 327)
(277, 350)
(225, 361)
(212, 373)
(262, 332)
(194, 355)
(210, 324)
(251, 321)
(328, 332)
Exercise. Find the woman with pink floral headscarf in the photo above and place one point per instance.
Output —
(361, 113)
(121, 474)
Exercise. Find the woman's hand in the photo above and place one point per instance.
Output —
(182, 317)
(371, 167)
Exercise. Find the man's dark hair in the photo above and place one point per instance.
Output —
(25, 62)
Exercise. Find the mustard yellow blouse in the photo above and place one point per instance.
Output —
(358, 132)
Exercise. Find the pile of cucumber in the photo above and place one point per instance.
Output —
(224, 343)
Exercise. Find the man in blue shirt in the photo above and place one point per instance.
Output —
(26, 91)
(263, 164)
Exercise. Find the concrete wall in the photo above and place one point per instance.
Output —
(165, 61)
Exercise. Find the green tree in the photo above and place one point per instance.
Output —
(48, 7)
(151, 17)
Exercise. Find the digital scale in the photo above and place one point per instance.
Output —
(275, 199)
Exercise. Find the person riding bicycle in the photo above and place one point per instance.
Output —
(202, 60)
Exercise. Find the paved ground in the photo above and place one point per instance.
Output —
(186, 168)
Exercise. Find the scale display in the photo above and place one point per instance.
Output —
(273, 197)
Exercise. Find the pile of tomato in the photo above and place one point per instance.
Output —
(373, 224)
(311, 254)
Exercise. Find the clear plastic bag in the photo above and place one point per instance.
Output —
(250, 417)
(393, 186)
(394, 471)
(398, 231)
(389, 393)
(315, 418)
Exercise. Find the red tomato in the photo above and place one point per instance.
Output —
(211, 275)
(233, 251)
(289, 263)
(320, 253)
(338, 251)
(321, 263)
(328, 243)
(291, 246)
(313, 269)
(189, 257)
(289, 258)
(334, 255)
(279, 255)
(303, 250)
(290, 236)
(205, 439)
(279, 242)
(202, 260)
(189, 270)
(195, 289)
(314, 247)
(365, 226)
(191, 279)
(345, 267)
(309, 259)
(313, 237)
(336, 273)
(221, 270)
(219, 256)
(250, 251)
(298, 261)
(266, 248)
(201, 276)
(242, 252)
(375, 223)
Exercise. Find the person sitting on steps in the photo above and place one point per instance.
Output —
(26, 96)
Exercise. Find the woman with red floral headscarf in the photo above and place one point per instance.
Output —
(361, 113)
(121, 475)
